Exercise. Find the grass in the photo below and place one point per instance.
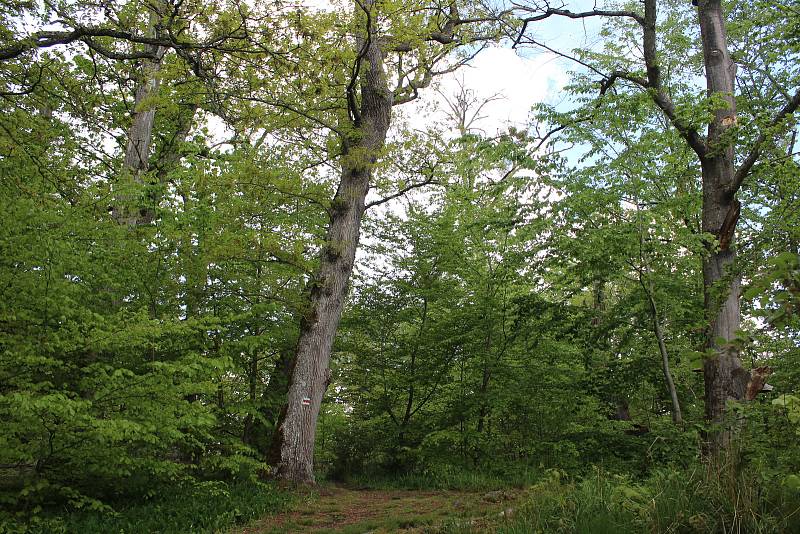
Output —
(670, 501)
(456, 502)
(449, 478)
(347, 511)
(201, 508)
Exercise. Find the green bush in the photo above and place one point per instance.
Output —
(444, 477)
(173, 509)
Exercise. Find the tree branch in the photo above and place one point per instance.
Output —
(755, 152)
(416, 185)
(652, 84)
(86, 34)
(547, 13)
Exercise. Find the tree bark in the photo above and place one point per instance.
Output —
(128, 210)
(723, 371)
(328, 287)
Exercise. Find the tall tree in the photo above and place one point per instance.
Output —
(118, 329)
(362, 136)
(722, 176)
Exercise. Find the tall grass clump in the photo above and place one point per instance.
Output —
(701, 500)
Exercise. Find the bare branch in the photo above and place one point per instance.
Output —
(550, 12)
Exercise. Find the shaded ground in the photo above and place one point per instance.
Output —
(342, 510)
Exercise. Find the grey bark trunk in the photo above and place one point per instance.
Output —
(311, 373)
(128, 209)
(328, 287)
(723, 371)
(725, 378)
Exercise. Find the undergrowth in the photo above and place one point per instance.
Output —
(448, 478)
(198, 508)
(700, 500)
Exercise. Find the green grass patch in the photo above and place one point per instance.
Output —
(448, 478)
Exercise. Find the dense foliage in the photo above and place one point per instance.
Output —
(520, 301)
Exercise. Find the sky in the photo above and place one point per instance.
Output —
(520, 78)
(514, 83)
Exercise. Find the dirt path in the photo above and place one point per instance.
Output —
(348, 511)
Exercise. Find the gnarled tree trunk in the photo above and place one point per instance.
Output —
(294, 438)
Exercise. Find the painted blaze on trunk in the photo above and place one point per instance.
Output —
(311, 374)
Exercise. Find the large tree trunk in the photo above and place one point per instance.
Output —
(128, 209)
(723, 371)
(328, 287)
(311, 374)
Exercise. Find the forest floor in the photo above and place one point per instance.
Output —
(344, 510)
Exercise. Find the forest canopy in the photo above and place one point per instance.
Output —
(248, 242)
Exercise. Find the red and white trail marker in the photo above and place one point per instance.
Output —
(306, 401)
